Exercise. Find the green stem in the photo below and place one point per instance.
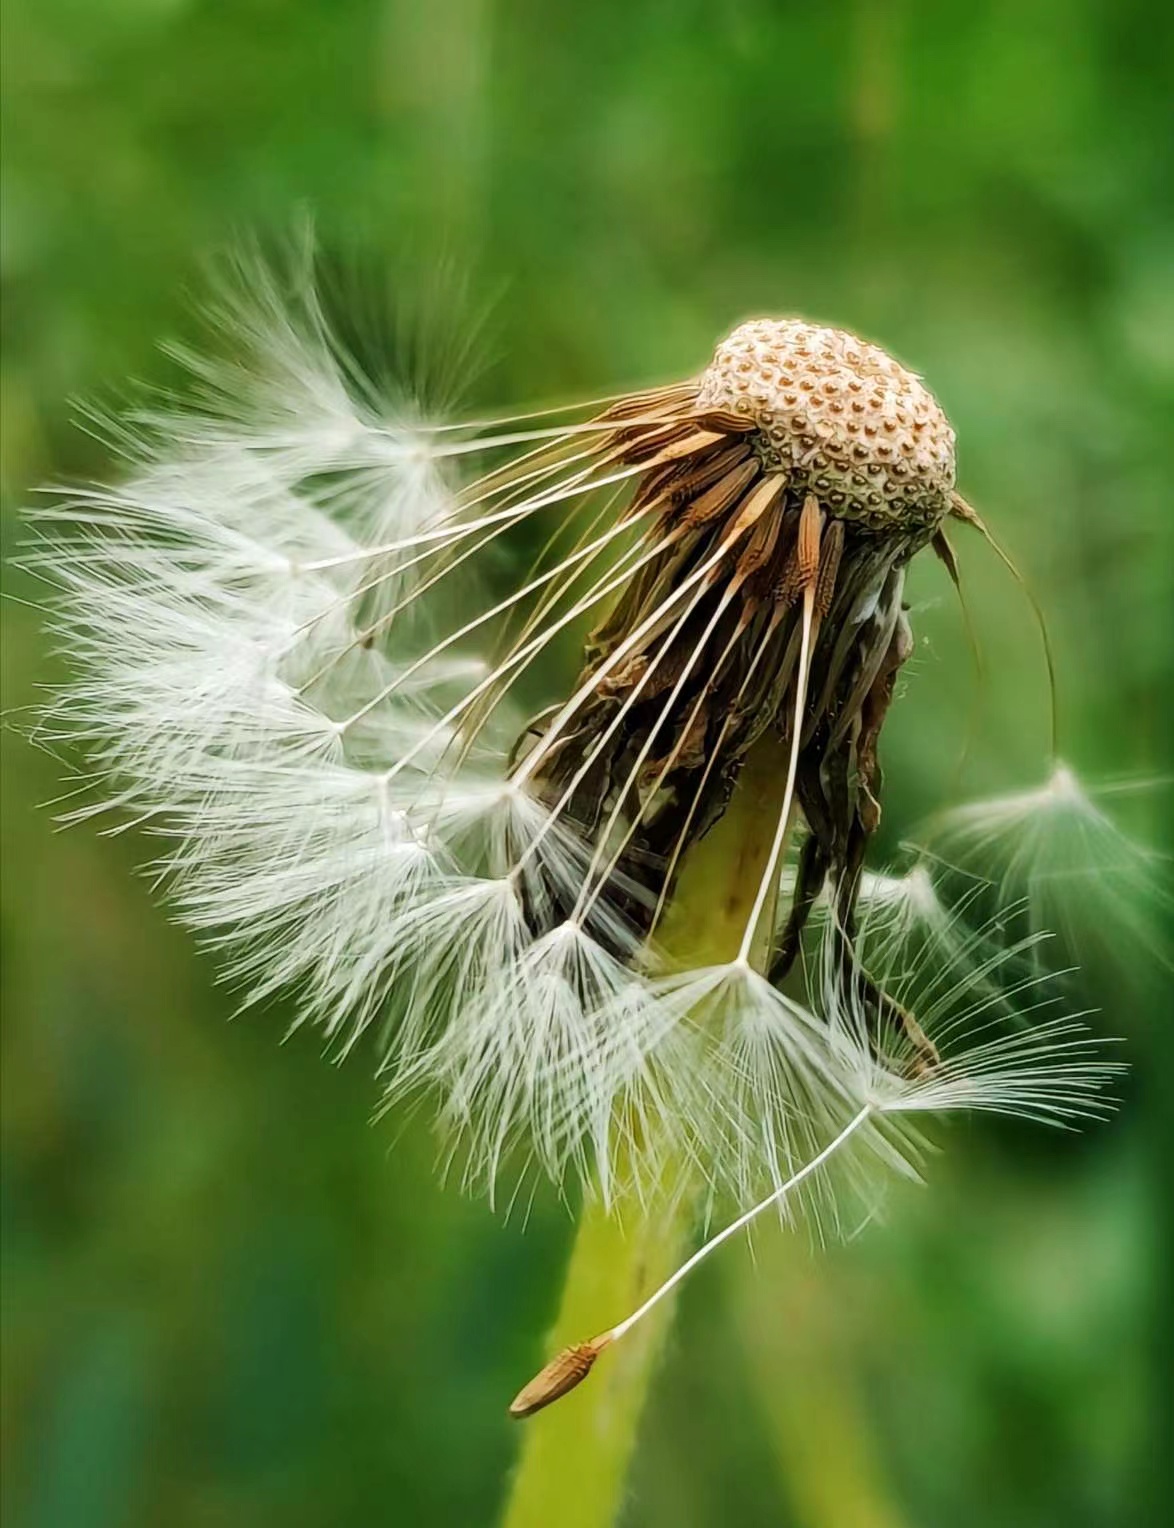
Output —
(575, 1455)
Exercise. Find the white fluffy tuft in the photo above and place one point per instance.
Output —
(1056, 850)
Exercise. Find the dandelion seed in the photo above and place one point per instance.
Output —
(1048, 1069)
(1056, 850)
(904, 922)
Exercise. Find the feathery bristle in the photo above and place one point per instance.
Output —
(1059, 855)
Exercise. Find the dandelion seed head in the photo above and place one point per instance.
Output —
(290, 670)
(841, 416)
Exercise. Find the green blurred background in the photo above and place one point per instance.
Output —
(228, 1298)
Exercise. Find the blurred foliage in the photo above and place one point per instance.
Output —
(228, 1299)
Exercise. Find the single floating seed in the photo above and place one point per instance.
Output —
(568, 1369)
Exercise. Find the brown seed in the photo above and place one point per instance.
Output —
(690, 479)
(829, 565)
(807, 551)
(568, 1369)
(725, 419)
(687, 447)
(647, 405)
(726, 491)
(755, 505)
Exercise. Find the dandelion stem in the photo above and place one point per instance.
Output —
(575, 1457)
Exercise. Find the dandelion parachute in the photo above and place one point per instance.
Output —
(1056, 852)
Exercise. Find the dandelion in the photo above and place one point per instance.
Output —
(305, 666)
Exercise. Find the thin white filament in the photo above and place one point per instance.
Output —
(588, 896)
(522, 657)
(780, 838)
(595, 594)
(504, 525)
(451, 532)
(583, 553)
(613, 727)
(617, 657)
(687, 1267)
(715, 755)
(666, 395)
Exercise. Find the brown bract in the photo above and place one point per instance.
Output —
(566, 1370)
